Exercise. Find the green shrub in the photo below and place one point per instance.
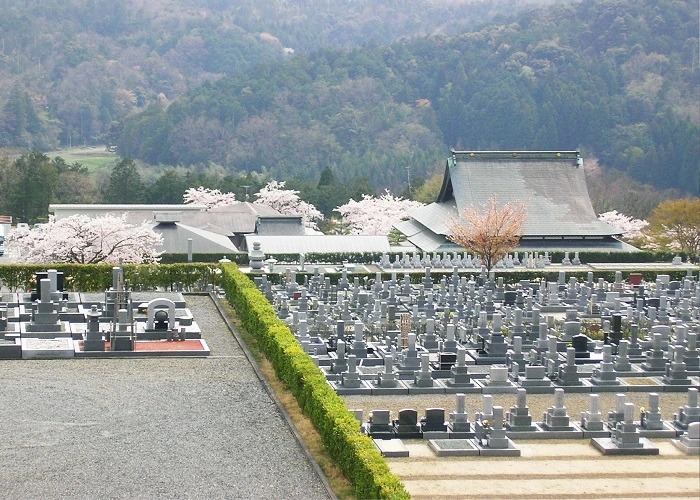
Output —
(353, 451)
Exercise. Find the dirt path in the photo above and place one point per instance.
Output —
(552, 470)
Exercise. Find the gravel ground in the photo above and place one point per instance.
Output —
(148, 428)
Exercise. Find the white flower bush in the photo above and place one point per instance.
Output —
(87, 240)
(375, 216)
(210, 198)
(287, 202)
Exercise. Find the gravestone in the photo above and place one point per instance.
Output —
(556, 418)
(380, 425)
(689, 413)
(459, 425)
(592, 419)
(625, 438)
(433, 424)
(407, 425)
(689, 443)
(605, 373)
(519, 418)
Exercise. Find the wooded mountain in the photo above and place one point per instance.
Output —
(617, 78)
(71, 69)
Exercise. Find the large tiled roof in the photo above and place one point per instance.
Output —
(551, 185)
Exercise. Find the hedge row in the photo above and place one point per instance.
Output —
(354, 452)
(98, 277)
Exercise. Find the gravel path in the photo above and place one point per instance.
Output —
(148, 428)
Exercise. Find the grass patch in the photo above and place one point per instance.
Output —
(639, 381)
(341, 486)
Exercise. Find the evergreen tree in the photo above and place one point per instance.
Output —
(125, 185)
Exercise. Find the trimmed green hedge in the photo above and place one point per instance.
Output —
(98, 277)
(353, 451)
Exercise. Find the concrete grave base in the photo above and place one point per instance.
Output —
(391, 448)
(11, 349)
(688, 450)
(149, 349)
(453, 447)
(511, 451)
(60, 348)
(607, 447)
(669, 431)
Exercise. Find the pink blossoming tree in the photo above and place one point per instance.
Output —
(87, 240)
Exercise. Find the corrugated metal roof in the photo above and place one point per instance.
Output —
(145, 211)
(319, 243)
(175, 238)
(435, 216)
(409, 227)
(427, 240)
(281, 225)
(239, 218)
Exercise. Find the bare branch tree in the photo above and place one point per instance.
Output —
(490, 232)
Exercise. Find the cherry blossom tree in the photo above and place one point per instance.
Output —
(490, 232)
(375, 216)
(675, 225)
(287, 202)
(210, 198)
(87, 240)
(632, 229)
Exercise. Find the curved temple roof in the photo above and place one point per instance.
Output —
(551, 185)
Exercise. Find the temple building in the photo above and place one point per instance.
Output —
(550, 184)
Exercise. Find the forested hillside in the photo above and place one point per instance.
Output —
(618, 78)
(71, 69)
(366, 87)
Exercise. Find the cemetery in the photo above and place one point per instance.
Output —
(51, 323)
(438, 331)
(450, 362)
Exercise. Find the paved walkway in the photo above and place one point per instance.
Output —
(148, 428)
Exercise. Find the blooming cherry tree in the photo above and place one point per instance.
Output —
(208, 197)
(375, 216)
(87, 240)
(631, 228)
(491, 231)
(287, 202)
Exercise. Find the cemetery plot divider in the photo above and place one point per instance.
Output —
(354, 452)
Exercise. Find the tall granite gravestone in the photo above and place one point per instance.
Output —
(592, 420)
(94, 339)
(605, 373)
(556, 418)
(495, 442)
(519, 418)
(459, 425)
(689, 413)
